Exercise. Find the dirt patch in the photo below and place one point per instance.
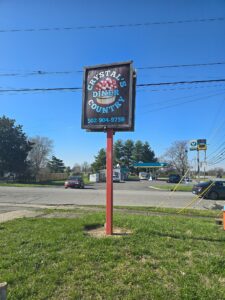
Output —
(8, 216)
(100, 232)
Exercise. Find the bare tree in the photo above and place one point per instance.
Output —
(85, 167)
(76, 169)
(38, 156)
(176, 156)
(218, 172)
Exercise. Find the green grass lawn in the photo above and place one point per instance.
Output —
(165, 257)
(173, 211)
(34, 184)
(48, 183)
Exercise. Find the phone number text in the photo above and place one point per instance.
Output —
(106, 120)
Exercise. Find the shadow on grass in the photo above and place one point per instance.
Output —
(93, 226)
(217, 207)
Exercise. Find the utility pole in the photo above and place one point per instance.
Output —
(205, 164)
(198, 162)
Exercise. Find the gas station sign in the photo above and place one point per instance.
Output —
(109, 97)
(202, 144)
(193, 145)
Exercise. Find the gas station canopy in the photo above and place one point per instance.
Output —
(150, 165)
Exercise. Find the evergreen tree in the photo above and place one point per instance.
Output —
(100, 161)
(148, 155)
(138, 152)
(56, 165)
(128, 153)
(68, 170)
(14, 147)
(118, 152)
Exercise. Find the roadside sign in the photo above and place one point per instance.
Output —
(108, 105)
(193, 145)
(109, 97)
(202, 144)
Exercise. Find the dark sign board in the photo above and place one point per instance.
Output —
(202, 144)
(109, 97)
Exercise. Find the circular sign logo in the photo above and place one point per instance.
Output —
(193, 143)
(106, 91)
(106, 88)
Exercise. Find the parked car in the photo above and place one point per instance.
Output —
(116, 175)
(74, 182)
(174, 178)
(187, 179)
(143, 176)
(216, 191)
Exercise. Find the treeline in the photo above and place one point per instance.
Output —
(30, 158)
(25, 158)
(125, 153)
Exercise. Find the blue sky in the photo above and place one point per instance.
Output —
(163, 114)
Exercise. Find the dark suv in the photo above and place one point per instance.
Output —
(74, 182)
(210, 189)
(174, 178)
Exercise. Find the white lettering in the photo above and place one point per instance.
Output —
(96, 77)
(118, 76)
(113, 74)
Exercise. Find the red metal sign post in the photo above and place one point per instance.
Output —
(109, 182)
(109, 106)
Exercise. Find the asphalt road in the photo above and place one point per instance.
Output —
(125, 194)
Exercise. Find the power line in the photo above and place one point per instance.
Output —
(39, 72)
(42, 89)
(138, 85)
(218, 112)
(190, 87)
(217, 156)
(181, 66)
(184, 102)
(42, 72)
(218, 159)
(180, 82)
(218, 149)
(76, 89)
(216, 163)
(216, 131)
(16, 30)
(166, 101)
